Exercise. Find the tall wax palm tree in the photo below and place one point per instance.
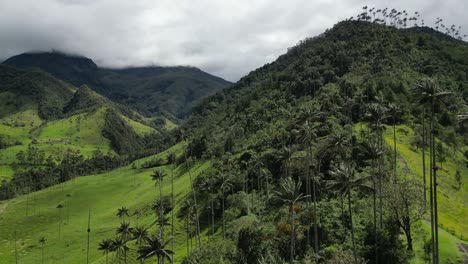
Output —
(194, 195)
(155, 247)
(42, 241)
(290, 194)
(208, 185)
(429, 94)
(423, 121)
(139, 234)
(344, 182)
(106, 246)
(376, 112)
(308, 137)
(172, 158)
(226, 185)
(187, 211)
(122, 212)
(158, 176)
(258, 165)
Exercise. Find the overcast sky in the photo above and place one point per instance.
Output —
(224, 38)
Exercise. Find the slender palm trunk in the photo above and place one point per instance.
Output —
(394, 152)
(431, 198)
(197, 223)
(292, 234)
(42, 253)
(424, 157)
(380, 178)
(436, 224)
(161, 211)
(316, 244)
(172, 211)
(89, 232)
(107, 257)
(224, 220)
(352, 227)
(308, 179)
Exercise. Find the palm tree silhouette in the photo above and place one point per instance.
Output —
(119, 245)
(155, 246)
(290, 194)
(106, 246)
(139, 233)
(125, 231)
(122, 212)
(343, 182)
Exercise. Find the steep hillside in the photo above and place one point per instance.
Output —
(294, 118)
(170, 91)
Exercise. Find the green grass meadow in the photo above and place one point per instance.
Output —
(35, 215)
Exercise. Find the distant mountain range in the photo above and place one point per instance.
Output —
(171, 91)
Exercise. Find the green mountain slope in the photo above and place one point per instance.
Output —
(171, 91)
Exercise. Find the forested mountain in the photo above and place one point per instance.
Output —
(324, 145)
(171, 91)
(350, 148)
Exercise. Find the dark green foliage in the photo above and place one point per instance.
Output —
(122, 137)
(35, 87)
(389, 247)
(163, 205)
(215, 252)
(40, 173)
(84, 99)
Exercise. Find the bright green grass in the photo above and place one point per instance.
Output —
(139, 128)
(103, 194)
(81, 130)
(18, 126)
(453, 213)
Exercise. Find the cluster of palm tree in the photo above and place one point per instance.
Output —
(149, 245)
(431, 97)
(402, 19)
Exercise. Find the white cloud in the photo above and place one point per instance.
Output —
(228, 39)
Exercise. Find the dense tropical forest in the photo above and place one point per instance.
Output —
(352, 147)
